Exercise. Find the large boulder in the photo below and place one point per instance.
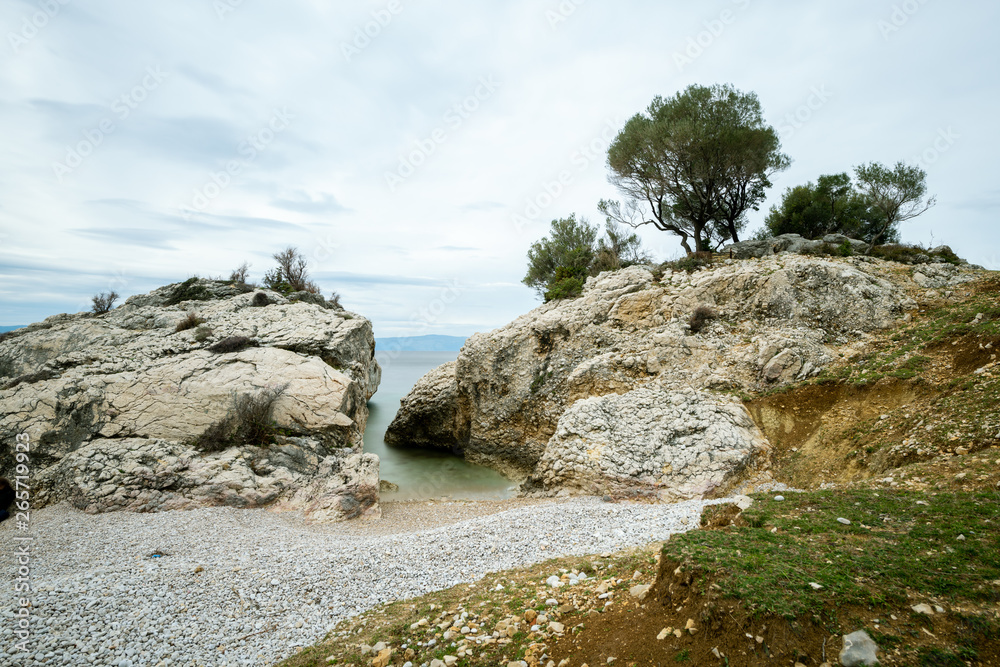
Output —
(128, 387)
(779, 319)
(686, 443)
(429, 417)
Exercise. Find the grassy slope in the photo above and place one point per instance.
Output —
(908, 434)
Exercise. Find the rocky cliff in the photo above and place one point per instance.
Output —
(116, 404)
(616, 390)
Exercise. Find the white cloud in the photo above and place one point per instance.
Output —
(320, 183)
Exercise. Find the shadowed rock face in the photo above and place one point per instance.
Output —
(113, 403)
(438, 423)
(521, 398)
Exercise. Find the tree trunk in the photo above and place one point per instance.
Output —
(732, 231)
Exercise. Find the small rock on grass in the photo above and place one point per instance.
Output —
(859, 649)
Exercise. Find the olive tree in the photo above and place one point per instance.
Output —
(897, 192)
(694, 165)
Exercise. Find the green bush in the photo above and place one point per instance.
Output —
(558, 265)
(831, 206)
(260, 299)
(565, 285)
(189, 290)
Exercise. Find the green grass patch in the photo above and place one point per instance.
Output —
(892, 546)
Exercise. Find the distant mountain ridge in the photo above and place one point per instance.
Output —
(428, 343)
(11, 328)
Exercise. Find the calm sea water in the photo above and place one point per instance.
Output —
(421, 474)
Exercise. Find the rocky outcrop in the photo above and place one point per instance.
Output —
(429, 416)
(549, 398)
(114, 403)
(791, 243)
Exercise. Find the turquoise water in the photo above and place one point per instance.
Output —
(422, 474)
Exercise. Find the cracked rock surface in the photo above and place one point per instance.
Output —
(113, 403)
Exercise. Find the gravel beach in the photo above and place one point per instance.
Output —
(251, 587)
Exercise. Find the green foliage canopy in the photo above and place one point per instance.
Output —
(694, 164)
(558, 264)
(830, 206)
(897, 192)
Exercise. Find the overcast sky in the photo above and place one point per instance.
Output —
(413, 150)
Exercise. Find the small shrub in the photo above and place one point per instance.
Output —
(189, 290)
(845, 249)
(565, 287)
(189, 322)
(693, 262)
(104, 302)
(260, 299)
(946, 253)
(291, 274)
(334, 301)
(913, 254)
(567, 283)
(232, 344)
(202, 334)
(240, 273)
(701, 316)
(249, 422)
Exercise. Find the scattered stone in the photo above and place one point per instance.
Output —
(960, 538)
(640, 592)
(556, 627)
(923, 609)
(815, 586)
(779, 498)
(859, 649)
(382, 659)
(530, 616)
(663, 633)
(846, 522)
